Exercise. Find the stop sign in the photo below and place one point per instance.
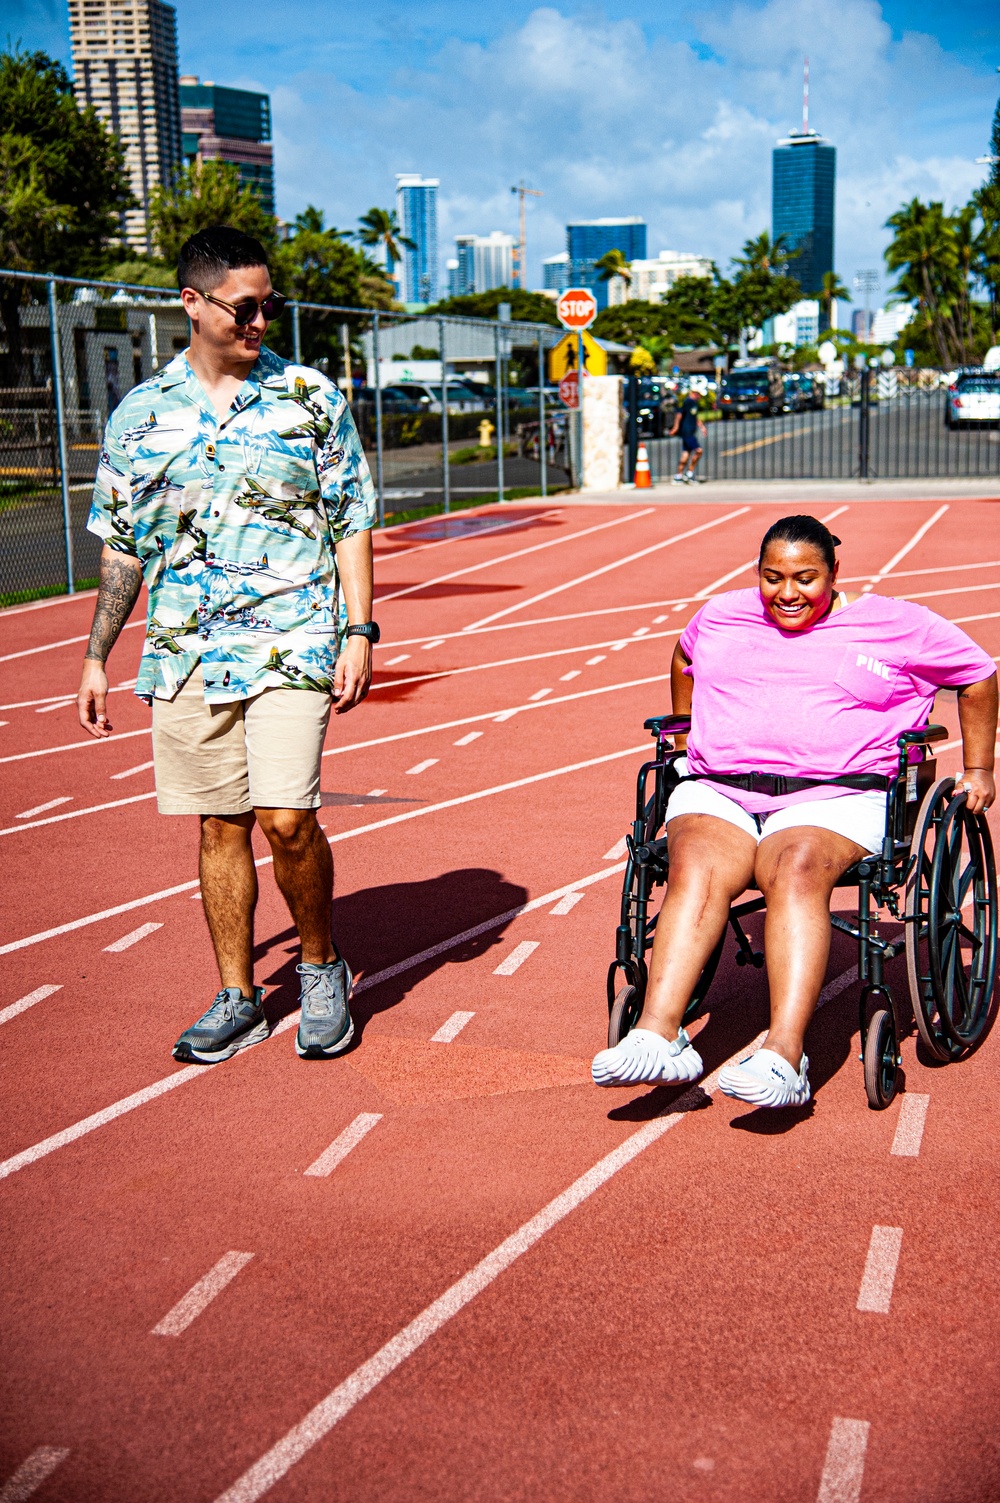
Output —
(576, 308)
(569, 390)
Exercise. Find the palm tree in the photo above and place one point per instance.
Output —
(613, 264)
(833, 291)
(380, 227)
(925, 252)
(766, 255)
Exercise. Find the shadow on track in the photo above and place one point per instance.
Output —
(380, 926)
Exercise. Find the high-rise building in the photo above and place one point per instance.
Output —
(587, 240)
(803, 186)
(494, 260)
(229, 125)
(125, 65)
(462, 276)
(416, 209)
(555, 272)
(652, 280)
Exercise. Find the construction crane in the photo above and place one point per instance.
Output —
(523, 193)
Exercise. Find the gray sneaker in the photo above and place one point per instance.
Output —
(232, 1022)
(325, 1028)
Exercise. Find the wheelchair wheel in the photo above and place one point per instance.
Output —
(624, 1015)
(880, 1058)
(951, 931)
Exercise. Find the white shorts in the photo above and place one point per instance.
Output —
(857, 816)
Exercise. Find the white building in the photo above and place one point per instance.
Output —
(652, 280)
(494, 260)
(799, 326)
(889, 323)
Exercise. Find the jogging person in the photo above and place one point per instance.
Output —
(234, 484)
(687, 424)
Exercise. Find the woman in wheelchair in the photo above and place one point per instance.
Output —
(797, 679)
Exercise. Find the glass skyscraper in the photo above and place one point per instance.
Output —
(589, 239)
(229, 125)
(416, 210)
(803, 183)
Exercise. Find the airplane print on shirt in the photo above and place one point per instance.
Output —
(235, 523)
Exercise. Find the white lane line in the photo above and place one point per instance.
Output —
(130, 772)
(435, 642)
(617, 563)
(452, 1027)
(201, 1295)
(906, 548)
(38, 995)
(53, 803)
(281, 1457)
(376, 792)
(422, 766)
(617, 851)
(621, 646)
(60, 704)
(128, 940)
(593, 662)
(45, 605)
(961, 620)
(57, 819)
(391, 662)
(992, 563)
(468, 740)
(910, 1126)
(504, 715)
(505, 558)
(539, 694)
(844, 1466)
(880, 1269)
(28, 704)
(342, 1144)
(32, 1473)
(30, 652)
(567, 904)
(200, 1072)
(659, 620)
(566, 678)
(49, 751)
(971, 589)
(641, 631)
(516, 958)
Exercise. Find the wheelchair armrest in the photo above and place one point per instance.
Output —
(665, 725)
(921, 735)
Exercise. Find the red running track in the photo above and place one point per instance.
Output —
(447, 1267)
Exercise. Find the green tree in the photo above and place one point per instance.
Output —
(319, 265)
(690, 308)
(531, 307)
(633, 322)
(613, 264)
(380, 228)
(202, 195)
(926, 254)
(833, 291)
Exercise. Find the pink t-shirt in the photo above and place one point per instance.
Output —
(816, 703)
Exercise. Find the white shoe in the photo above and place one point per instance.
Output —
(765, 1079)
(646, 1058)
(677, 480)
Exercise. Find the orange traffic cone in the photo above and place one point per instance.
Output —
(643, 479)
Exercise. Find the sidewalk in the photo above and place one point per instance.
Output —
(793, 493)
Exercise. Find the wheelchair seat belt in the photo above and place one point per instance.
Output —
(776, 785)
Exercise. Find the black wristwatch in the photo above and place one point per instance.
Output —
(369, 630)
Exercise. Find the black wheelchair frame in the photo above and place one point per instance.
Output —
(936, 861)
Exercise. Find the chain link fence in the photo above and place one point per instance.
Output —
(450, 410)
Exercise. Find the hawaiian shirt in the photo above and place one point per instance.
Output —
(235, 523)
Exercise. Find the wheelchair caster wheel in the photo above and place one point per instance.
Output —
(881, 1060)
(758, 960)
(624, 1015)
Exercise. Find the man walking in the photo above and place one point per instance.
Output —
(234, 484)
(687, 423)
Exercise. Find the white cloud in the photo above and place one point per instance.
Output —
(606, 119)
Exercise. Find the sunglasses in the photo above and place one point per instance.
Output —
(245, 312)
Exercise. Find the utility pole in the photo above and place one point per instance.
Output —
(523, 193)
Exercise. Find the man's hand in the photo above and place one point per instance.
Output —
(981, 790)
(353, 674)
(92, 699)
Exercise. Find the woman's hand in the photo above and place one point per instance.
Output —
(980, 789)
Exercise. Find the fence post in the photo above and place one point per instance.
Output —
(57, 391)
(499, 405)
(863, 414)
(296, 335)
(445, 477)
(541, 417)
(633, 425)
(579, 401)
(378, 423)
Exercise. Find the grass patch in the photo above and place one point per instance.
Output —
(42, 592)
(480, 455)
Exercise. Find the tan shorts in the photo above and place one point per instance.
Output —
(260, 753)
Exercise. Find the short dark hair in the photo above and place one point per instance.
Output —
(209, 255)
(801, 529)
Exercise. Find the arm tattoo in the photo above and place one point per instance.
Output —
(121, 581)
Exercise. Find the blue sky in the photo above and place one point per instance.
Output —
(663, 109)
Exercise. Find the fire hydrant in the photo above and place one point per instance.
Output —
(486, 431)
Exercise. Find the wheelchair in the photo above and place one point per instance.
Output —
(935, 875)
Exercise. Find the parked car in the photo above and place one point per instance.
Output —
(973, 397)
(394, 399)
(813, 389)
(650, 406)
(462, 397)
(754, 389)
(794, 397)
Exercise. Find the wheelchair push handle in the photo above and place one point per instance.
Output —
(922, 735)
(668, 725)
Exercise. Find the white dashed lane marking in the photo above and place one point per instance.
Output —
(38, 995)
(593, 662)
(516, 958)
(130, 772)
(437, 642)
(452, 1027)
(422, 766)
(539, 694)
(880, 1269)
(53, 803)
(566, 904)
(910, 1126)
(60, 704)
(844, 1466)
(32, 1473)
(617, 851)
(565, 678)
(391, 662)
(128, 940)
(202, 1294)
(342, 1144)
(468, 740)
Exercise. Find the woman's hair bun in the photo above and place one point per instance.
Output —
(801, 529)
(834, 541)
